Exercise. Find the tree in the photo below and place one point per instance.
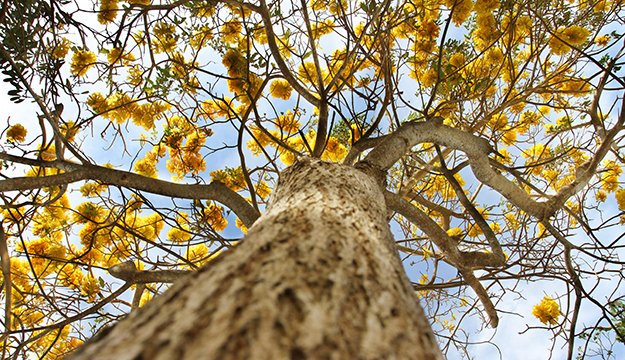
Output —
(487, 133)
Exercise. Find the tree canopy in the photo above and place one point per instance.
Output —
(152, 132)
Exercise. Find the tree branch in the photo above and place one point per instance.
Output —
(128, 272)
(477, 149)
(214, 191)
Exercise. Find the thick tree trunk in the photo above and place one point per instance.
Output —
(316, 277)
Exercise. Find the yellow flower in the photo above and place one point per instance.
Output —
(547, 311)
(308, 73)
(198, 252)
(90, 287)
(509, 136)
(260, 36)
(135, 75)
(429, 78)
(213, 215)
(98, 103)
(81, 62)
(231, 30)
(61, 48)
(235, 63)
(116, 55)
(356, 133)
(200, 39)
(322, 28)
(263, 190)
(335, 151)
(165, 37)
(17, 133)
(146, 168)
(610, 176)
(88, 211)
(280, 89)
(574, 35)
(602, 40)
(108, 11)
(241, 226)
(288, 123)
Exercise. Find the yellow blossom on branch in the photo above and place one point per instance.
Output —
(231, 30)
(280, 89)
(547, 311)
(146, 168)
(61, 48)
(81, 62)
(117, 55)
(574, 35)
(17, 133)
(108, 11)
(90, 287)
(212, 214)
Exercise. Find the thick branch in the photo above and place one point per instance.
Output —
(128, 272)
(214, 191)
(477, 149)
(461, 260)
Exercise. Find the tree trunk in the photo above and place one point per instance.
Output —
(317, 277)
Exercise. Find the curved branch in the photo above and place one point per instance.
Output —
(216, 190)
(449, 246)
(263, 11)
(477, 149)
(475, 284)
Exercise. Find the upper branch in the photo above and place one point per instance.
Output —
(477, 149)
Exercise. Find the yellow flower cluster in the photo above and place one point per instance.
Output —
(308, 73)
(231, 30)
(17, 133)
(108, 11)
(166, 39)
(200, 38)
(280, 89)
(603, 40)
(335, 151)
(536, 154)
(121, 107)
(335, 7)
(117, 55)
(241, 226)
(574, 35)
(355, 133)
(88, 212)
(547, 311)
(199, 254)
(233, 178)
(185, 158)
(486, 32)
(609, 178)
(180, 233)
(61, 48)
(212, 214)
(147, 168)
(90, 287)
(287, 123)
(462, 10)
(82, 61)
(322, 28)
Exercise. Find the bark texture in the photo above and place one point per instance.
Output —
(317, 277)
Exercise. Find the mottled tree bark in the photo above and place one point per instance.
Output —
(317, 277)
